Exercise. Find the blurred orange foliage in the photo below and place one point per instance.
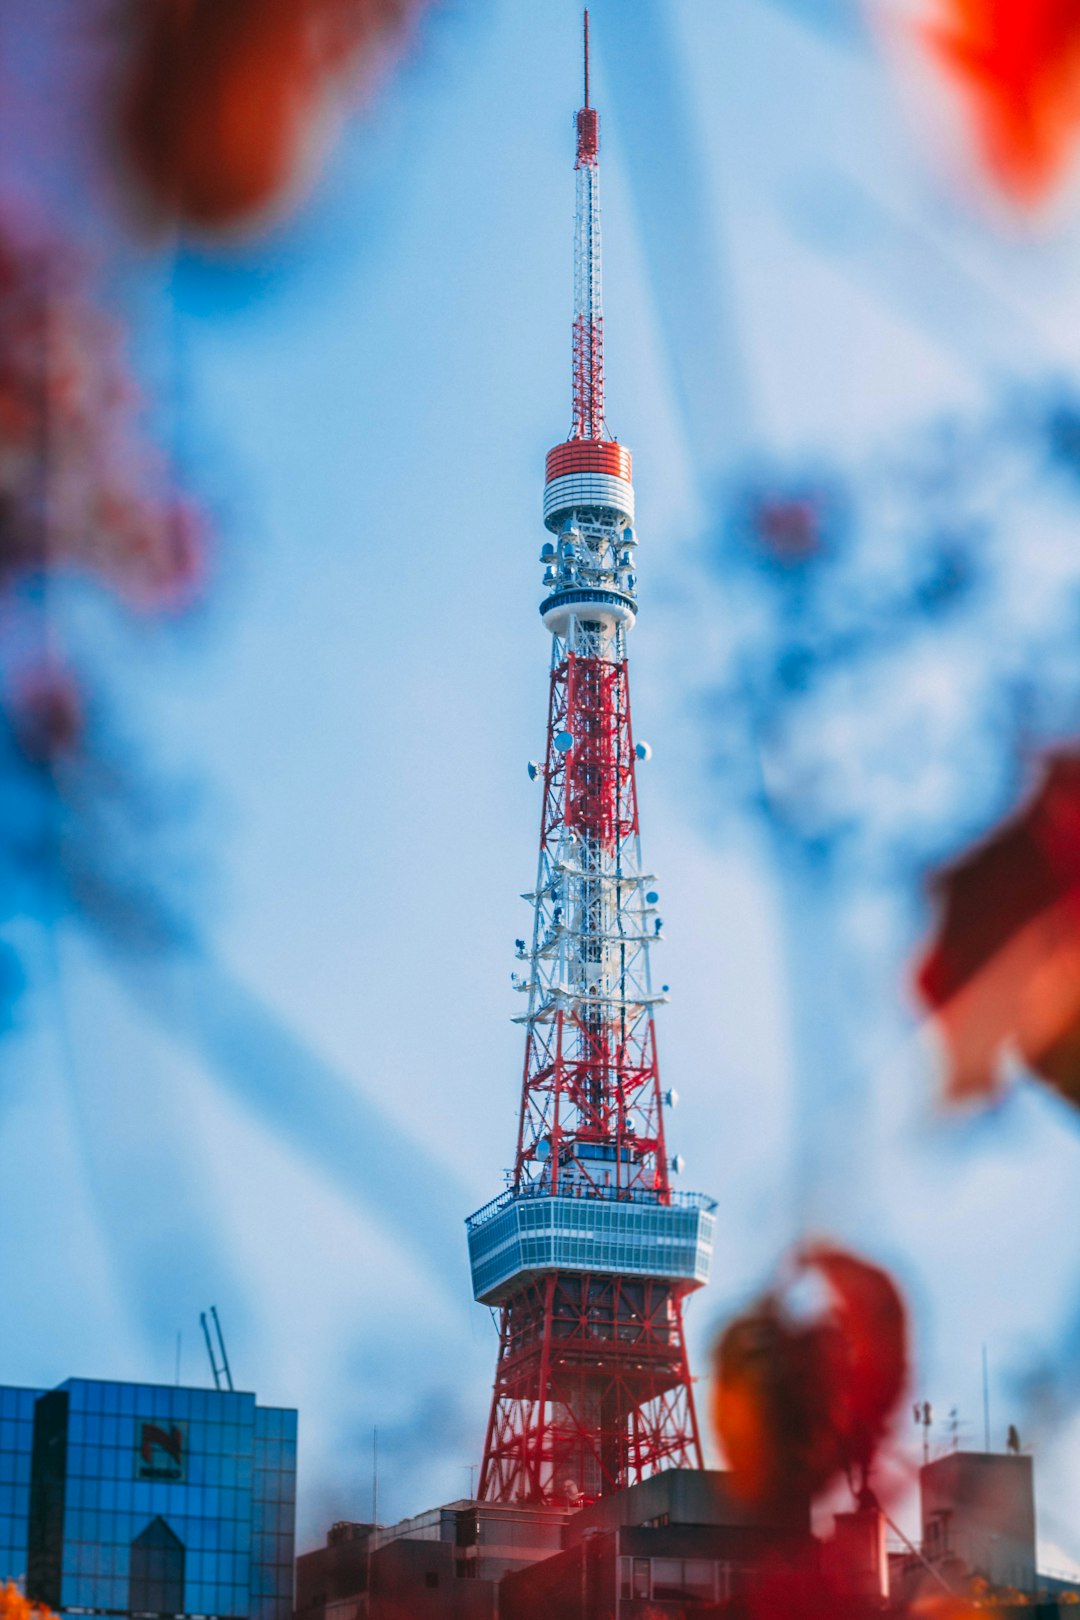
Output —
(943, 1606)
(1017, 63)
(798, 1399)
(13, 1606)
(221, 99)
(1003, 967)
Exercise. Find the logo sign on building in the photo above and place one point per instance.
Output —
(162, 1452)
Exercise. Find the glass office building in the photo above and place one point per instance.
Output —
(16, 1445)
(121, 1499)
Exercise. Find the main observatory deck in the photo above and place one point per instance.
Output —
(523, 1234)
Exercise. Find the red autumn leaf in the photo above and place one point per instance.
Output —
(763, 1408)
(80, 486)
(1016, 63)
(797, 1400)
(47, 714)
(873, 1347)
(221, 99)
(800, 1592)
(790, 530)
(1003, 968)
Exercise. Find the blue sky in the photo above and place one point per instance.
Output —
(283, 1113)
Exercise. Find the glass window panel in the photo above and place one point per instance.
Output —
(698, 1579)
(667, 1576)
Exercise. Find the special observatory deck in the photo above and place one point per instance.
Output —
(523, 1234)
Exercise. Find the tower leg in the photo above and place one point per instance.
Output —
(592, 1391)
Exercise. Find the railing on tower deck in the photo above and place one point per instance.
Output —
(606, 1195)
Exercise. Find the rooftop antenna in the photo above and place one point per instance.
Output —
(953, 1427)
(219, 1363)
(986, 1400)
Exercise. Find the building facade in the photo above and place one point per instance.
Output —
(978, 1517)
(16, 1446)
(672, 1545)
(120, 1499)
(676, 1543)
(445, 1564)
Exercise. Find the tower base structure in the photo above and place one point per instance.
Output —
(592, 1390)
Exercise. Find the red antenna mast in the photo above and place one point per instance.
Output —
(590, 1252)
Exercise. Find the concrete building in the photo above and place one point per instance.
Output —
(855, 1559)
(445, 1563)
(676, 1541)
(120, 1499)
(672, 1540)
(978, 1530)
(978, 1517)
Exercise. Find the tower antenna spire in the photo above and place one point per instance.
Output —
(588, 347)
(586, 56)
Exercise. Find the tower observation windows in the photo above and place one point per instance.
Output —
(520, 1235)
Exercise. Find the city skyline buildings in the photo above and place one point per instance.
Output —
(313, 366)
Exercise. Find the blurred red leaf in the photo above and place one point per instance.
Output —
(790, 529)
(800, 1592)
(799, 1400)
(872, 1367)
(80, 485)
(1017, 64)
(47, 714)
(1003, 967)
(221, 98)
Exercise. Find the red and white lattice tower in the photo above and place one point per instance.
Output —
(589, 1252)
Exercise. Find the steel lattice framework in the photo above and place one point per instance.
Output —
(589, 1253)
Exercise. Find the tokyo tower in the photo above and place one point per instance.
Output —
(589, 1252)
